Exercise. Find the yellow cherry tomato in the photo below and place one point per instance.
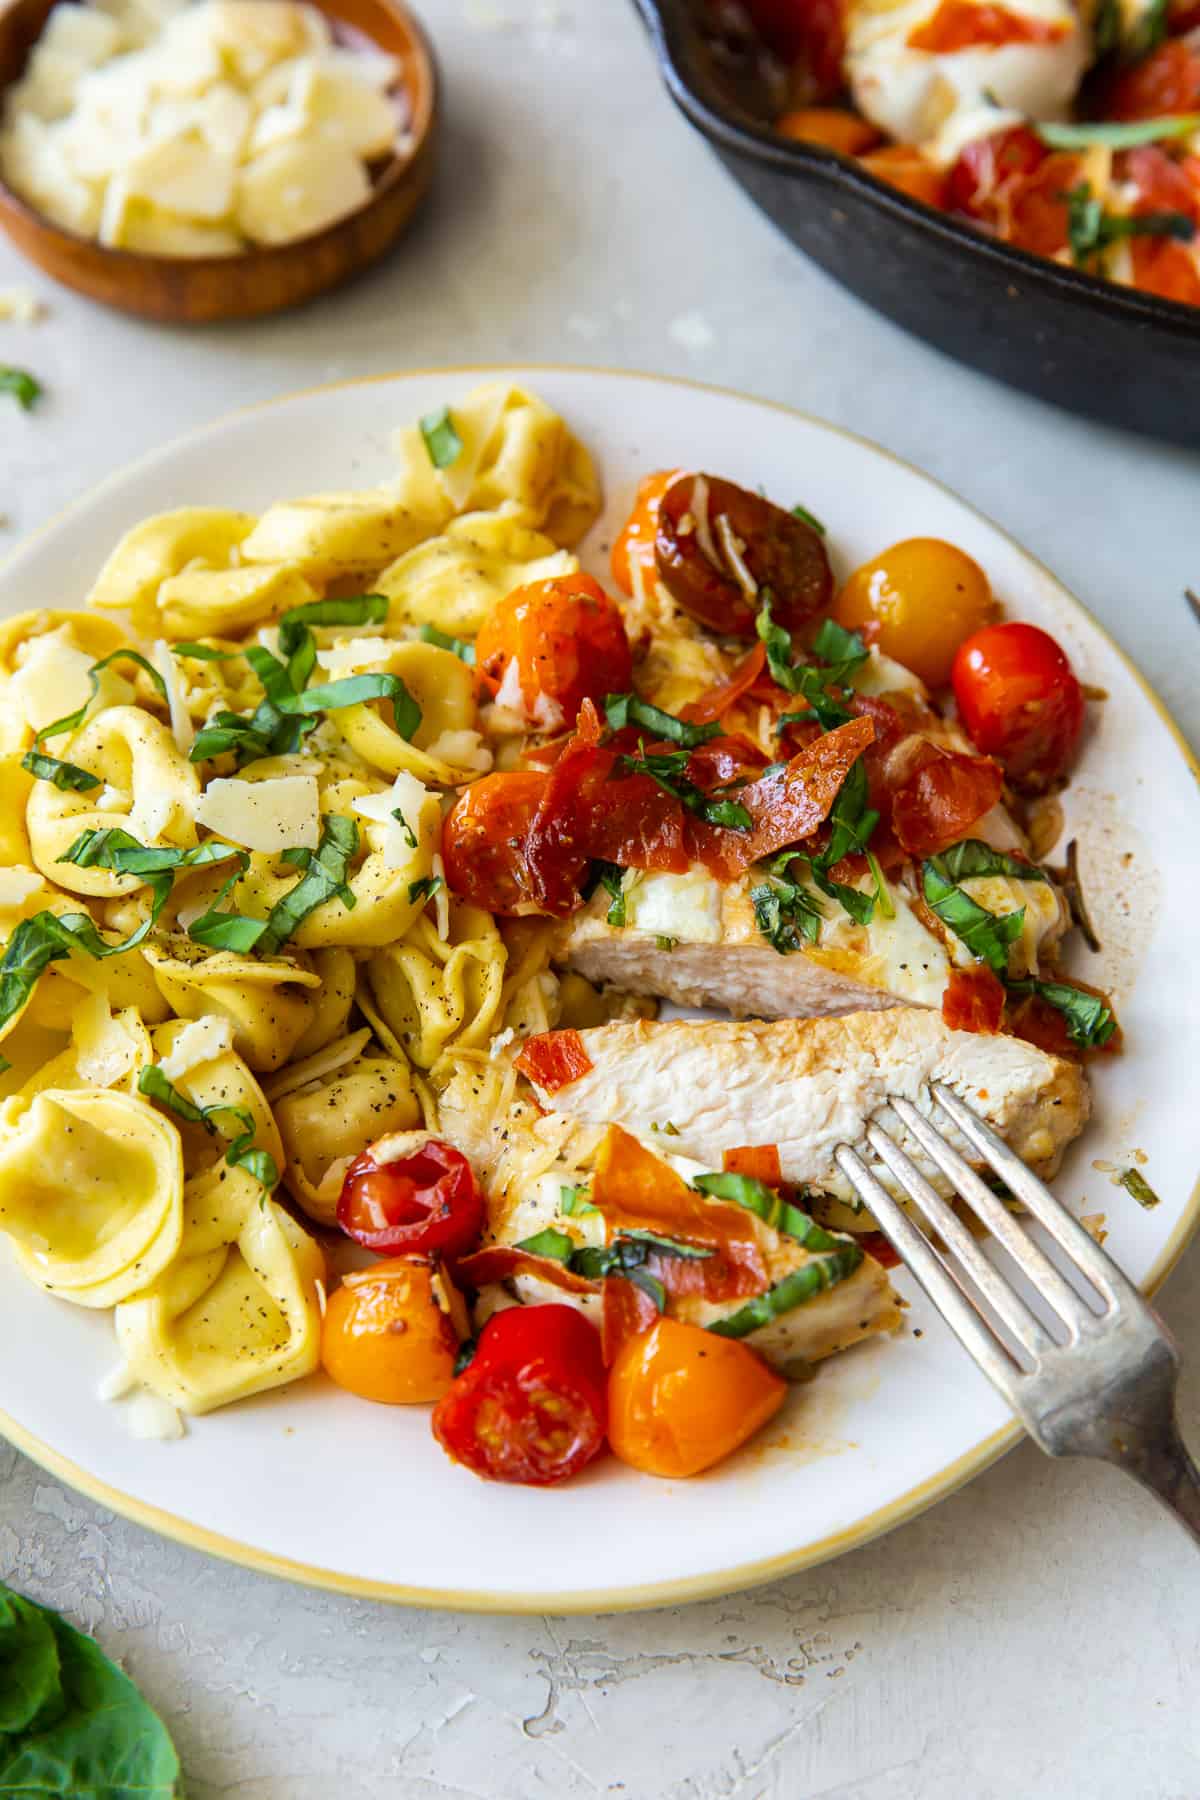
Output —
(392, 1332)
(925, 596)
(681, 1399)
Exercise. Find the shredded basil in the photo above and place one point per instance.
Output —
(463, 648)
(840, 651)
(786, 914)
(241, 1153)
(631, 709)
(424, 889)
(769, 1206)
(354, 609)
(551, 1243)
(1136, 1184)
(796, 1289)
(971, 857)
(610, 876)
(1090, 1022)
(72, 721)
(1091, 229)
(668, 769)
(442, 441)
(63, 774)
(51, 937)
(406, 830)
(228, 930)
(987, 935)
(806, 518)
(1116, 134)
(25, 388)
(203, 652)
(573, 1202)
(324, 879)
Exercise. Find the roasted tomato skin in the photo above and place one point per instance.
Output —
(980, 181)
(1019, 700)
(635, 540)
(904, 168)
(484, 837)
(385, 1337)
(532, 1405)
(568, 641)
(423, 1204)
(682, 1399)
(780, 551)
(973, 1000)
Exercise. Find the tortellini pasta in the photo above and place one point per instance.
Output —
(299, 982)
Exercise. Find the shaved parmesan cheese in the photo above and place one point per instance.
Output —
(51, 681)
(104, 1049)
(316, 1067)
(181, 721)
(281, 813)
(297, 189)
(419, 809)
(151, 816)
(441, 900)
(463, 749)
(355, 653)
(198, 1041)
(16, 886)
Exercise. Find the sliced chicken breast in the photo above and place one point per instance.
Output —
(806, 1086)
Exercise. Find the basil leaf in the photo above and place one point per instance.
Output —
(843, 650)
(1090, 1022)
(203, 652)
(787, 915)
(424, 889)
(883, 899)
(1116, 134)
(796, 1289)
(610, 876)
(1136, 1184)
(353, 690)
(63, 774)
(25, 388)
(50, 937)
(89, 1732)
(228, 930)
(850, 817)
(666, 768)
(324, 879)
(240, 1153)
(463, 648)
(729, 813)
(769, 1206)
(1091, 230)
(665, 1246)
(70, 721)
(552, 1243)
(573, 1201)
(406, 830)
(442, 442)
(806, 518)
(355, 609)
(987, 935)
(973, 857)
(631, 709)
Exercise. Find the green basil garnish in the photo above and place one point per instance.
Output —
(241, 1153)
(769, 1206)
(796, 1289)
(25, 388)
(631, 709)
(442, 442)
(71, 721)
(63, 774)
(463, 648)
(324, 878)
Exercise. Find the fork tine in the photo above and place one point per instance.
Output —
(958, 1312)
(1003, 1298)
(1029, 1257)
(1091, 1257)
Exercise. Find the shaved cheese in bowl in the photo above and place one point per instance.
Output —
(281, 813)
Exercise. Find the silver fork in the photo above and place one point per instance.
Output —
(1103, 1386)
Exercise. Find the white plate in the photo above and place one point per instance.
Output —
(315, 1484)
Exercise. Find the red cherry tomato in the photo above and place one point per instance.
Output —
(568, 641)
(1038, 216)
(705, 524)
(484, 836)
(420, 1205)
(979, 181)
(1165, 82)
(1019, 700)
(532, 1406)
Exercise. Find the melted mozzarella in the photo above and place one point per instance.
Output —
(687, 906)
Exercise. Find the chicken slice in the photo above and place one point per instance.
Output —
(808, 1085)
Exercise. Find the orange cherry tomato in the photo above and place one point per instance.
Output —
(484, 836)
(925, 596)
(568, 641)
(906, 169)
(1165, 82)
(831, 126)
(531, 1404)
(1018, 698)
(424, 1204)
(392, 1333)
(1038, 217)
(681, 1399)
(635, 540)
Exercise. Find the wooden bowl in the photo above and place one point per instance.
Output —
(198, 290)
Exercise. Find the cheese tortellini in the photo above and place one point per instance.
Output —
(228, 959)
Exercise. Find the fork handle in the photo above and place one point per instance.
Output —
(1167, 1469)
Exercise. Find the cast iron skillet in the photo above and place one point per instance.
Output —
(1099, 349)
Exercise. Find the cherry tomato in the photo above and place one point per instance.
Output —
(1165, 268)
(986, 168)
(635, 541)
(925, 596)
(973, 1000)
(484, 836)
(392, 1333)
(831, 126)
(1019, 700)
(968, 25)
(906, 169)
(532, 1405)
(705, 523)
(420, 1204)
(568, 641)
(681, 1399)
(1037, 210)
(1165, 82)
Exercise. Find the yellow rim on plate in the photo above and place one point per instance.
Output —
(701, 1587)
